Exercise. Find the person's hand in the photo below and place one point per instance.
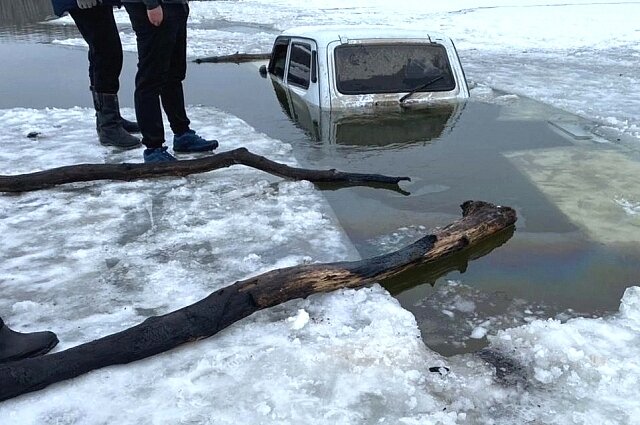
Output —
(87, 4)
(155, 15)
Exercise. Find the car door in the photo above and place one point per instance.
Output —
(302, 82)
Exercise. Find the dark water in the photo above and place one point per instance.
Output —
(24, 11)
(26, 20)
(452, 153)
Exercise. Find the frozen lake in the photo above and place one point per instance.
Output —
(97, 258)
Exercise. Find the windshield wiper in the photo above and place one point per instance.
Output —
(420, 87)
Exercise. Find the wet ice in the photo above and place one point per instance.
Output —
(94, 258)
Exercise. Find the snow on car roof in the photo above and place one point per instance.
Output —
(328, 33)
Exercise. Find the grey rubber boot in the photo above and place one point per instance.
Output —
(130, 126)
(109, 122)
(17, 346)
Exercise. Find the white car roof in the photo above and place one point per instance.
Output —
(329, 33)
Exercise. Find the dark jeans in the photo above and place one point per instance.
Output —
(162, 66)
(99, 30)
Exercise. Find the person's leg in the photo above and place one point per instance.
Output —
(105, 55)
(172, 93)
(98, 28)
(16, 345)
(154, 52)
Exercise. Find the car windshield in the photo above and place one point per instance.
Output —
(392, 68)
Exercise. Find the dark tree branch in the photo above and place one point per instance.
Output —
(237, 301)
(235, 58)
(129, 172)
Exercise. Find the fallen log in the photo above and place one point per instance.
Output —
(235, 58)
(239, 300)
(129, 172)
(430, 272)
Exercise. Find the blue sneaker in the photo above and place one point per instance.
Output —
(191, 142)
(157, 155)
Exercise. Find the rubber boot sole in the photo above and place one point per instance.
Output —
(206, 148)
(124, 148)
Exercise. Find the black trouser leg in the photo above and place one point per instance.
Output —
(161, 70)
(172, 93)
(99, 30)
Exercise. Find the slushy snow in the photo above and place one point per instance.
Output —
(94, 258)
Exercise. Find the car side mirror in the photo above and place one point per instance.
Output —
(263, 71)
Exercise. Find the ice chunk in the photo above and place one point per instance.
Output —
(479, 333)
(299, 320)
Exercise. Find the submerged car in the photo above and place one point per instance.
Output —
(370, 126)
(349, 67)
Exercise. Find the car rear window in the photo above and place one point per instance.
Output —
(392, 68)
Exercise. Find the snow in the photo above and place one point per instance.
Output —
(591, 364)
(147, 247)
(630, 207)
(299, 321)
(95, 258)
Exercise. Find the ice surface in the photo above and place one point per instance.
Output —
(630, 207)
(147, 247)
(593, 187)
(95, 258)
(468, 313)
(584, 371)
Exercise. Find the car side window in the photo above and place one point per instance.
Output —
(300, 65)
(279, 57)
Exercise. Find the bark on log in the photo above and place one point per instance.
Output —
(237, 301)
(129, 172)
(235, 58)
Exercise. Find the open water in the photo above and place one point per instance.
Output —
(571, 252)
